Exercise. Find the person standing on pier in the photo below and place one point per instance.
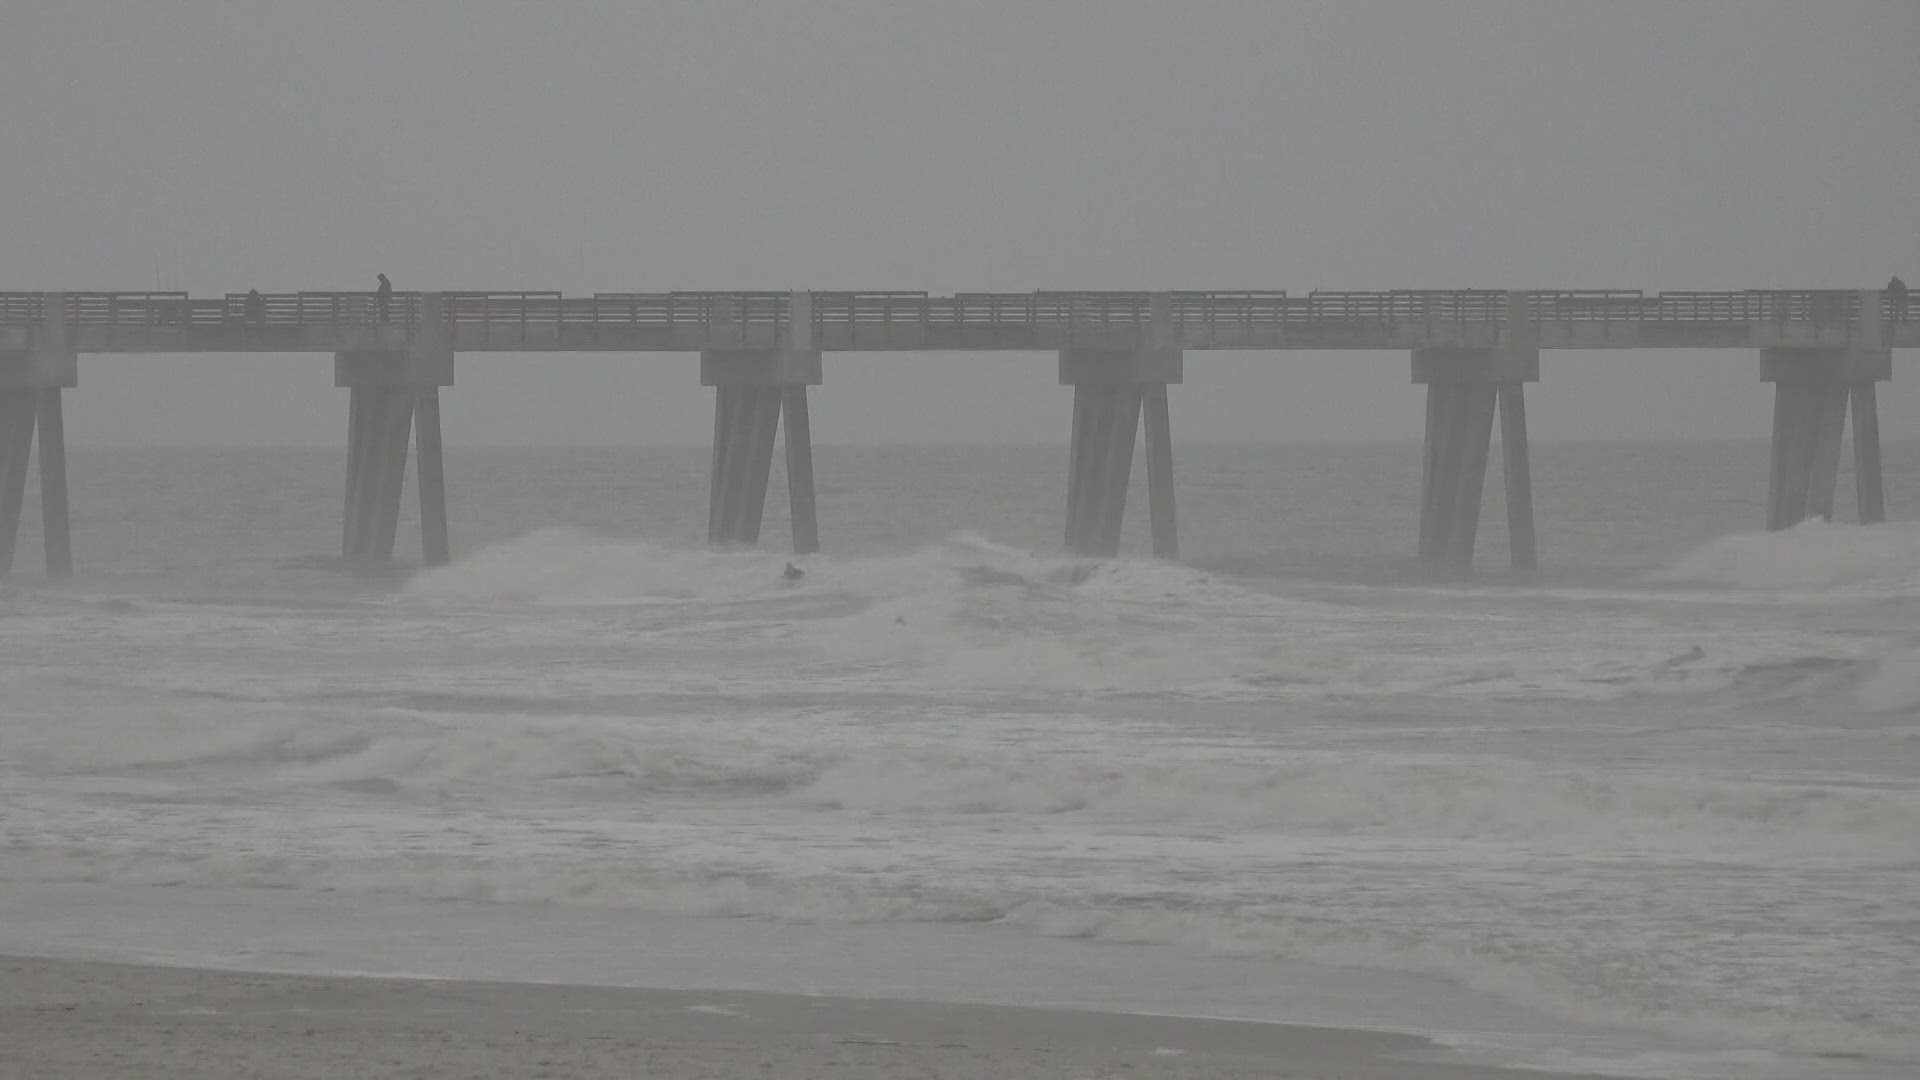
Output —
(383, 297)
(1897, 292)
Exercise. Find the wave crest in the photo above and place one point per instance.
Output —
(1811, 555)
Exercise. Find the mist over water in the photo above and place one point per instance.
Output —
(1668, 782)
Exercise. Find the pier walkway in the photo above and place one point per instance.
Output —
(1474, 349)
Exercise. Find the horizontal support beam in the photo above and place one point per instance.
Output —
(760, 367)
(1116, 367)
(39, 369)
(1476, 367)
(393, 367)
(1825, 367)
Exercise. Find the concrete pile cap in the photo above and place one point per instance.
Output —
(39, 369)
(1825, 367)
(1110, 367)
(1475, 367)
(760, 367)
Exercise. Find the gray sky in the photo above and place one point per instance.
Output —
(952, 145)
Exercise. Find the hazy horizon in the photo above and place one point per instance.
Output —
(973, 146)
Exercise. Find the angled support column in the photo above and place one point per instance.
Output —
(1813, 388)
(54, 524)
(31, 382)
(359, 424)
(1116, 470)
(1464, 389)
(394, 437)
(380, 428)
(752, 388)
(1474, 417)
(726, 404)
(387, 389)
(433, 478)
(800, 497)
(747, 501)
(1111, 389)
(1515, 458)
(1438, 480)
(17, 416)
(1829, 419)
(1870, 494)
(1078, 446)
(1166, 530)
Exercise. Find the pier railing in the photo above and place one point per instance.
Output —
(874, 312)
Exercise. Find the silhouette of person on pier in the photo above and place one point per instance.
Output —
(256, 307)
(383, 297)
(1897, 290)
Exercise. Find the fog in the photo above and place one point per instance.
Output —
(1255, 735)
(963, 146)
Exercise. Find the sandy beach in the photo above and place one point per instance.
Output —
(90, 1021)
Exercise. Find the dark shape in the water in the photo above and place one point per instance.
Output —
(793, 573)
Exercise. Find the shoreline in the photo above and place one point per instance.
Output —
(88, 1020)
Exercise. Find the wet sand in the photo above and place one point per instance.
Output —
(92, 1021)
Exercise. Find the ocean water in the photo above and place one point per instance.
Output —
(1667, 788)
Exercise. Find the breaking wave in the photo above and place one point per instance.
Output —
(968, 613)
(1521, 802)
(829, 766)
(1812, 555)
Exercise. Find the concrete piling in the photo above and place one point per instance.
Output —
(1514, 456)
(1829, 421)
(31, 383)
(17, 415)
(395, 436)
(431, 466)
(748, 424)
(1112, 388)
(1160, 506)
(1465, 388)
(750, 489)
(1868, 491)
(388, 388)
(752, 389)
(380, 428)
(54, 524)
(1813, 388)
(1433, 513)
(359, 417)
(800, 498)
(1116, 472)
(1474, 409)
(725, 404)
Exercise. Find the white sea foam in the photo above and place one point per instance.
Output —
(1812, 555)
(571, 566)
(1894, 683)
(967, 613)
(1479, 802)
(265, 749)
(1647, 810)
(1539, 973)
